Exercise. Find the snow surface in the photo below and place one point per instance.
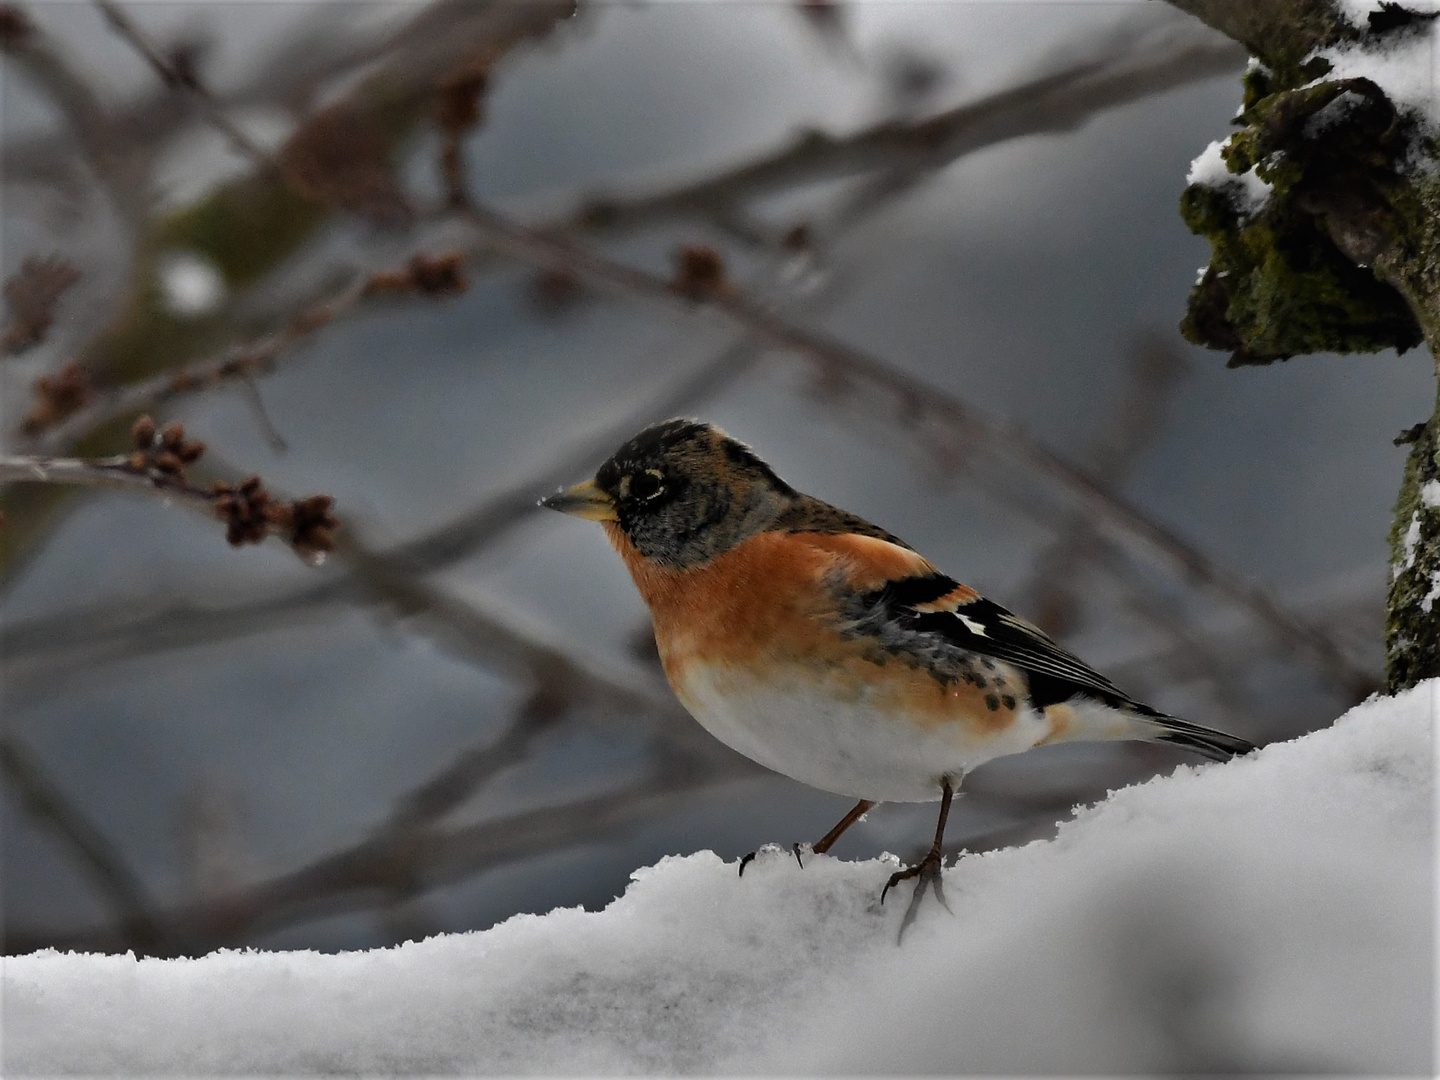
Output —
(1274, 913)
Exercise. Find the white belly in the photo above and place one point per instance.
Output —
(845, 745)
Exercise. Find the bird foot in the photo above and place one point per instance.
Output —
(748, 859)
(928, 870)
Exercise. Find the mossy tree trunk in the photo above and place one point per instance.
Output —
(1343, 255)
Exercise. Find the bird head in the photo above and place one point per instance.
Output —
(682, 492)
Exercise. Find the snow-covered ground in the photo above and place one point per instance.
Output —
(1271, 914)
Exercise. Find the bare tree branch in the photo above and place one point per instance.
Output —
(249, 510)
(430, 275)
(409, 862)
(1053, 103)
(1155, 366)
(120, 171)
(136, 925)
(186, 80)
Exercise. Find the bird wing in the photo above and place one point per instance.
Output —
(927, 612)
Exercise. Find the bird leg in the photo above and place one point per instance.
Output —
(823, 845)
(927, 869)
(825, 842)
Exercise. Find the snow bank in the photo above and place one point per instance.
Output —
(1271, 914)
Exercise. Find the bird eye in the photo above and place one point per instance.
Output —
(646, 486)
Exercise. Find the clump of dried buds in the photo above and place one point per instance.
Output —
(244, 509)
(341, 157)
(251, 513)
(308, 523)
(57, 397)
(699, 273)
(165, 452)
(429, 275)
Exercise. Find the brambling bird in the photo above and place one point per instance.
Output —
(827, 649)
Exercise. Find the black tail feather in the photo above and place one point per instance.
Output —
(1215, 745)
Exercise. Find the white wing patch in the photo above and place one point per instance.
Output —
(976, 628)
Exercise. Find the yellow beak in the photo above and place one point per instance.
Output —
(583, 500)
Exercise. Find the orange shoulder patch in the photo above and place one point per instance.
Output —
(956, 598)
(870, 561)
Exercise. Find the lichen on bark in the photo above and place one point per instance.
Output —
(1412, 633)
(1278, 285)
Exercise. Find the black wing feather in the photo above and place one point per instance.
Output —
(950, 643)
(1055, 674)
(984, 628)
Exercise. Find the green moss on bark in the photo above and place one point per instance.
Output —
(1412, 629)
(1278, 285)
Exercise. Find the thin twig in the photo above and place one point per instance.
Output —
(1155, 367)
(434, 275)
(121, 171)
(1052, 103)
(185, 80)
(411, 862)
(137, 926)
(121, 473)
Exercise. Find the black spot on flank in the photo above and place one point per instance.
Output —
(992, 702)
(980, 682)
(1009, 701)
(1049, 690)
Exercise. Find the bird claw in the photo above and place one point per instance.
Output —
(928, 870)
(746, 860)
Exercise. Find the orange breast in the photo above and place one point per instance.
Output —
(768, 610)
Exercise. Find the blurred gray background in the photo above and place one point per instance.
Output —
(1040, 279)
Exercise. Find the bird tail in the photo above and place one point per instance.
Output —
(1215, 745)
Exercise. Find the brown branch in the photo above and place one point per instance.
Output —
(326, 47)
(453, 785)
(118, 168)
(429, 275)
(136, 925)
(1052, 103)
(411, 862)
(1281, 32)
(106, 635)
(156, 468)
(185, 79)
(1155, 366)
